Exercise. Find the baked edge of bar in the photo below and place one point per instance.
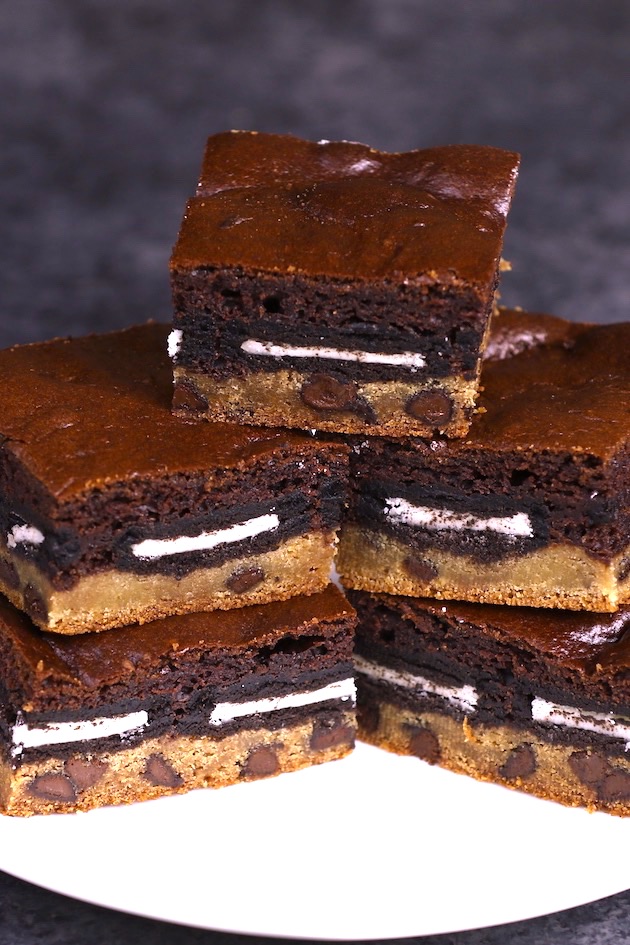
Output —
(371, 561)
(273, 399)
(306, 557)
(182, 763)
(479, 751)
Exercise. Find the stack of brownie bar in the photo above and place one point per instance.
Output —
(165, 550)
(169, 622)
(522, 675)
(333, 287)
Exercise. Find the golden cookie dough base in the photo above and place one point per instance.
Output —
(561, 576)
(181, 763)
(273, 400)
(109, 599)
(480, 751)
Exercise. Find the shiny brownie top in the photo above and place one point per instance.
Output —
(547, 384)
(82, 413)
(35, 663)
(554, 384)
(587, 643)
(276, 203)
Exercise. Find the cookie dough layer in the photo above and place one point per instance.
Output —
(168, 765)
(502, 754)
(420, 407)
(561, 576)
(113, 598)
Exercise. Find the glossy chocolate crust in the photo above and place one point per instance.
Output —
(177, 666)
(551, 438)
(509, 654)
(275, 203)
(83, 415)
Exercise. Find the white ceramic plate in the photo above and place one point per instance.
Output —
(374, 846)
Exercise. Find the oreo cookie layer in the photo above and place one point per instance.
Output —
(215, 679)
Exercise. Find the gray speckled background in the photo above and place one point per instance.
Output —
(104, 108)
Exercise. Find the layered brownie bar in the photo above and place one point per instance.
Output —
(113, 511)
(331, 286)
(533, 699)
(533, 506)
(200, 700)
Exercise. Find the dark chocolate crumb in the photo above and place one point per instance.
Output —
(615, 786)
(84, 774)
(186, 397)
(159, 772)
(322, 392)
(34, 604)
(53, 787)
(244, 579)
(520, 763)
(331, 736)
(261, 763)
(433, 407)
(8, 574)
(589, 768)
(424, 744)
(368, 717)
(624, 568)
(420, 569)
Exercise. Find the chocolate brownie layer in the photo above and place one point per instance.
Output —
(533, 506)
(112, 508)
(526, 697)
(183, 702)
(362, 281)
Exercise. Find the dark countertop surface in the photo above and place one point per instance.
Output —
(104, 111)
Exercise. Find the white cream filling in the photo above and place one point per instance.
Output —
(596, 634)
(159, 547)
(174, 342)
(223, 712)
(24, 535)
(58, 733)
(515, 526)
(500, 348)
(464, 697)
(403, 359)
(604, 723)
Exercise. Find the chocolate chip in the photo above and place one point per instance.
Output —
(589, 768)
(244, 579)
(186, 397)
(8, 574)
(322, 392)
(520, 763)
(53, 787)
(261, 763)
(420, 569)
(424, 744)
(84, 774)
(34, 604)
(331, 736)
(368, 717)
(615, 786)
(159, 772)
(433, 407)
